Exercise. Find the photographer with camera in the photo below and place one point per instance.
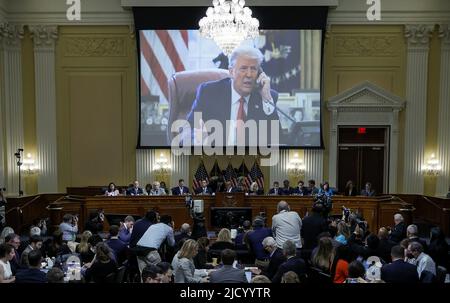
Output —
(69, 227)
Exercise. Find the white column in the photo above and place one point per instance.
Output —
(279, 172)
(44, 38)
(180, 169)
(144, 165)
(418, 37)
(443, 152)
(314, 165)
(12, 102)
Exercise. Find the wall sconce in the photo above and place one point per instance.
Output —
(162, 165)
(28, 165)
(432, 168)
(296, 167)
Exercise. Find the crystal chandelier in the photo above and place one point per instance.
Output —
(296, 167)
(432, 168)
(229, 23)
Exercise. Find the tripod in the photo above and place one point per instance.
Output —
(19, 164)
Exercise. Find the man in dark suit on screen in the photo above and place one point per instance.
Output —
(245, 96)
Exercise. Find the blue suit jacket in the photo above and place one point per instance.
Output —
(31, 275)
(399, 271)
(176, 190)
(213, 100)
(295, 264)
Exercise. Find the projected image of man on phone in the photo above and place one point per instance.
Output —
(245, 96)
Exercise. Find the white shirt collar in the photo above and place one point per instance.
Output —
(235, 95)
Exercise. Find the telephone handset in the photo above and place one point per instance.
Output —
(259, 85)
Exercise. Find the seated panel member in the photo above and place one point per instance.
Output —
(368, 191)
(180, 190)
(312, 189)
(156, 190)
(204, 189)
(135, 190)
(287, 190)
(300, 190)
(276, 190)
(229, 188)
(350, 190)
(255, 190)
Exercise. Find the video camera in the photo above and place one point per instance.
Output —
(354, 218)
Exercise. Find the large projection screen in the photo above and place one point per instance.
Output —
(184, 76)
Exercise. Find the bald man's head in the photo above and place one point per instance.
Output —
(282, 205)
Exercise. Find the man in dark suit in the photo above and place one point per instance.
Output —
(275, 190)
(276, 258)
(385, 245)
(313, 225)
(33, 274)
(293, 263)
(245, 96)
(135, 190)
(118, 247)
(229, 187)
(399, 271)
(287, 189)
(204, 190)
(180, 190)
(228, 274)
(398, 233)
(300, 190)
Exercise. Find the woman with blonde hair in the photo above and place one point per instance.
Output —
(85, 248)
(223, 240)
(183, 264)
(254, 190)
(343, 233)
(325, 255)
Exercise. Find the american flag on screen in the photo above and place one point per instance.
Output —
(163, 52)
(256, 175)
(200, 174)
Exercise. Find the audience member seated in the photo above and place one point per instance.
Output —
(157, 190)
(260, 279)
(398, 233)
(290, 277)
(412, 233)
(151, 274)
(287, 190)
(223, 241)
(183, 264)
(227, 273)
(125, 230)
(312, 226)
(112, 191)
(312, 189)
(33, 273)
(183, 233)
(25, 240)
(438, 249)
(325, 254)
(201, 259)
(166, 272)
(343, 233)
(69, 227)
(293, 263)
(14, 241)
(55, 275)
(35, 244)
(423, 261)
(84, 249)
(300, 190)
(276, 258)
(6, 255)
(356, 272)
(350, 190)
(255, 190)
(135, 190)
(101, 266)
(339, 269)
(241, 237)
(116, 245)
(204, 189)
(6, 231)
(255, 242)
(56, 246)
(368, 191)
(275, 190)
(180, 190)
(399, 271)
(286, 225)
(95, 222)
(385, 245)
